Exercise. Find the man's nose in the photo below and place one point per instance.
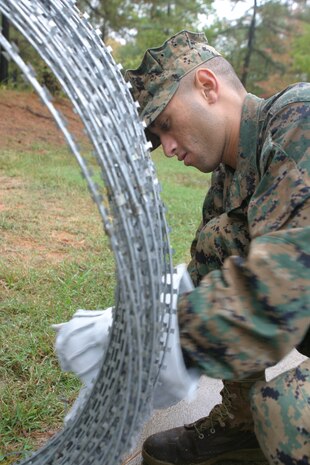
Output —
(169, 146)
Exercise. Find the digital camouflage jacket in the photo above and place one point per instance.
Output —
(251, 254)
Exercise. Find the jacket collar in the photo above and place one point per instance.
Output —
(242, 182)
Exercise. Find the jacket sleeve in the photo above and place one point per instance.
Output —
(252, 311)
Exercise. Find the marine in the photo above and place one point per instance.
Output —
(250, 256)
(244, 299)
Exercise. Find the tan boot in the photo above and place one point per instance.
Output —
(226, 436)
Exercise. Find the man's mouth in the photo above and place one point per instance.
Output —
(182, 157)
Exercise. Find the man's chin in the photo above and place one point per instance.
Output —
(204, 169)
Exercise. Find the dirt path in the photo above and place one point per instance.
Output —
(25, 121)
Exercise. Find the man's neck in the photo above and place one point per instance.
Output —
(232, 148)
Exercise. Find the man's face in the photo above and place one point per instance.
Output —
(193, 129)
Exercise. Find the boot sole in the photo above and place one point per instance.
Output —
(255, 456)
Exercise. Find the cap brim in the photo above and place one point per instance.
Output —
(150, 114)
(155, 140)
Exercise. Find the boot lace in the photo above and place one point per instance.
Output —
(218, 415)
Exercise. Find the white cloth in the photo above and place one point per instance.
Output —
(81, 343)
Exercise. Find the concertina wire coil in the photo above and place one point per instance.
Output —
(133, 216)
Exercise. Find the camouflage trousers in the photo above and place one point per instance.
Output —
(281, 413)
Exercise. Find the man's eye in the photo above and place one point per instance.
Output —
(164, 125)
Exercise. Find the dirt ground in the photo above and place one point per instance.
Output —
(26, 124)
(25, 120)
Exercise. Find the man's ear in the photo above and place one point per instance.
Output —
(207, 82)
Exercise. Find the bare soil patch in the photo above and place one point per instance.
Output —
(25, 120)
(25, 123)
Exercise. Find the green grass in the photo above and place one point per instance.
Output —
(183, 192)
(55, 258)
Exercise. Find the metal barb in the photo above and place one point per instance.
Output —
(133, 218)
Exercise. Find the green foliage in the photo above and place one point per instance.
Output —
(30, 56)
(280, 48)
(112, 17)
(301, 56)
(156, 21)
(232, 38)
(279, 53)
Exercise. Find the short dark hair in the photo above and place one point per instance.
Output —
(221, 67)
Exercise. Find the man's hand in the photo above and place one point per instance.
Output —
(175, 382)
(80, 345)
(81, 342)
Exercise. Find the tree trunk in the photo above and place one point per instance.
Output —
(4, 65)
(250, 46)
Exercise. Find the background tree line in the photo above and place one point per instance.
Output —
(268, 45)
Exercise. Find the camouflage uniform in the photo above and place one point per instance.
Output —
(251, 254)
(251, 259)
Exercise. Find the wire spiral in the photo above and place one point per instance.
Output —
(128, 200)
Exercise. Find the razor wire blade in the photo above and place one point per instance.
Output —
(133, 216)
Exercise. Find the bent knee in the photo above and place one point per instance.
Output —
(281, 413)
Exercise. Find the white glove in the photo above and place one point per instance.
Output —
(80, 345)
(82, 341)
(175, 381)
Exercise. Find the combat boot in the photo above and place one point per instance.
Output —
(226, 436)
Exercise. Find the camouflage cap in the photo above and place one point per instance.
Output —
(156, 80)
